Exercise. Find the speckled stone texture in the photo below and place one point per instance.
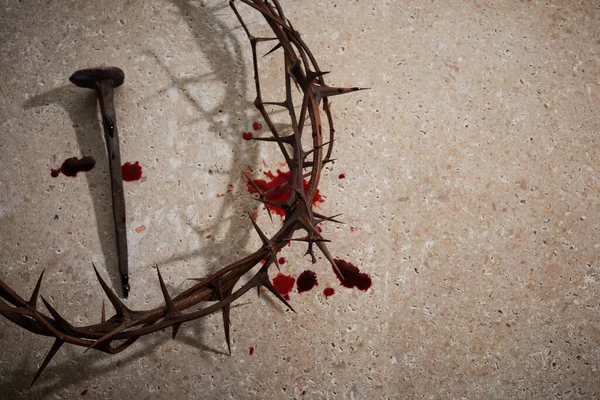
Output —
(471, 197)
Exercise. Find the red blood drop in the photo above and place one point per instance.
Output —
(251, 350)
(341, 176)
(131, 172)
(282, 260)
(351, 275)
(306, 281)
(72, 166)
(257, 126)
(247, 135)
(282, 193)
(328, 292)
(284, 285)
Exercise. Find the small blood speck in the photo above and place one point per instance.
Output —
(208, 236)
(352, 229)
(319, 229)
(306, 281)
(282, 260)
(72, 166)
(257, 126)
(351, 275)
(251, 350)
(303, 393)
(140, 229)
(282, 193)
(84, 392)
(508, 325)
(247, 135)
(131, 172)
(328, 292)
(284, 285)
(341, 176)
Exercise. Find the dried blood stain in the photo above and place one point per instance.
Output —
(328, 292)
(284, 284)
(72, 166)
(251, 350)
(351, 275)
(281, 194)
(281, 260)
(131, 172)
(306, 281)
(257, 126)
(341, 176)
(247, 135)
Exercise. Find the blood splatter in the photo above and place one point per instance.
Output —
(351, 275)
(282, 260)
(306, 281)
(341, 176)
(247, 135)
(72, 166)
(282, 192)
(251, 350)
(284, 284)
(131, 172)
(257, 126)
(328, 292)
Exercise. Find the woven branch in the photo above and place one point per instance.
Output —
(117, 333)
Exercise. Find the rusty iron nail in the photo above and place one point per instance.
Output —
(103, 80)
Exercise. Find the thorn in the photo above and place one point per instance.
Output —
(281, 139)
(55, 347)
(34, 296)
(120, 308)
(327, 254)
(263, 237)
(323, 218)
(276, 103)
(312, 75)
(172, 311)
(263, 279)
(225, 310)
(103, 315)
(323, 91)
(277, 204)
(60, 321)
(307, 153)
(277, 46)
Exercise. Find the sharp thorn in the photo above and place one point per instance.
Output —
(34, 296)
(60, 321)
(264, 281)
(263, 237)
(172, 311)
(120, 308)
(277, 46)
(55, 347)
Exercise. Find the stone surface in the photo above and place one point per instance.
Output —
(471, 197)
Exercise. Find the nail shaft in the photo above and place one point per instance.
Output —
(103, 81)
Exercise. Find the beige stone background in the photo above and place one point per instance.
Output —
(471, 186)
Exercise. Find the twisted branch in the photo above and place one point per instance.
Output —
(117, 333)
